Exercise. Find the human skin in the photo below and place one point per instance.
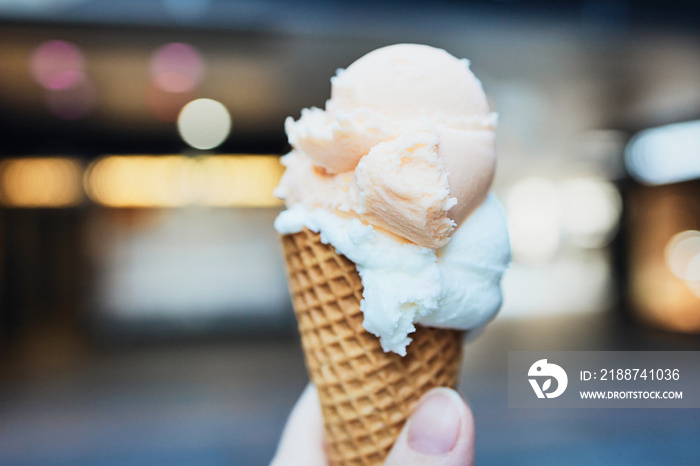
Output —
(440, 433)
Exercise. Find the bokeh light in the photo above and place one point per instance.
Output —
(41, 182)
(58, 65)
(591, 211)
(533, 207)
(204, 123)
(239, 180)
(683, 258)
(544, 215)
(175, 181)
(177, 67)
(667, 154)
(140, 181)
(683, 255)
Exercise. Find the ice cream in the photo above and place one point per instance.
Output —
(393, 246)
(406, 143)
(394, 173)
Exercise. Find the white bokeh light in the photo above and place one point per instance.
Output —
(204, 123)
(591, 210)
(683, 258)
(533, 207)
(683, 255)
(667, 154)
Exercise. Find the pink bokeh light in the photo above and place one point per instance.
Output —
(177, 67)
(58, 65)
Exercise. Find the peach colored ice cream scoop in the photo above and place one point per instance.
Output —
(406, 144)
(402, 154)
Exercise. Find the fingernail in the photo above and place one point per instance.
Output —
(434, 427)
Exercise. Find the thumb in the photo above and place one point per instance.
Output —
(439, 433)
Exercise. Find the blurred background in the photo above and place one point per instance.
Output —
(144, 314)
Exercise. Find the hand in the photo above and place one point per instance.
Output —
(440, 433)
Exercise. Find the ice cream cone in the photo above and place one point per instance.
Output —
(366, 394)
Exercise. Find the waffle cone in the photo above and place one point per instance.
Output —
(366, 394)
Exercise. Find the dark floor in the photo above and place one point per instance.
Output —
(225, 404)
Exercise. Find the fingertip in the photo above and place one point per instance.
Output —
(439, 433)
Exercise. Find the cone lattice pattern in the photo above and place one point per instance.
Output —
(366, 394)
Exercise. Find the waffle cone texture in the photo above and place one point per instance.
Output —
(366, 394)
